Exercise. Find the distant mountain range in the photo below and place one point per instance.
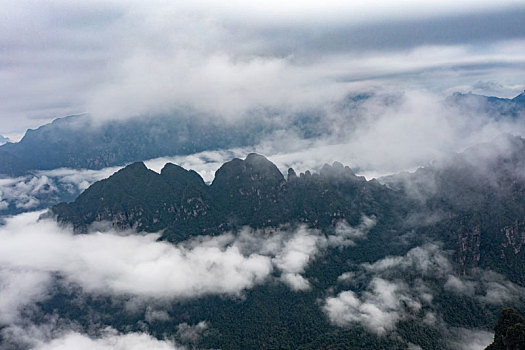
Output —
(77, 142)
(497, 106)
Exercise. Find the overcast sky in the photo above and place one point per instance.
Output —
(117, 59)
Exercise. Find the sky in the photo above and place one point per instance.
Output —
(118, 59)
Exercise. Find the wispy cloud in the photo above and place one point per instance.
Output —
(398, 287)
(379, 308)
(111, 263)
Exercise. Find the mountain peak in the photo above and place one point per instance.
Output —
(255, 157)
(175, 174)
(133, 168)
(337, 170)
(520, 98)
(136, 165)
(255, 168)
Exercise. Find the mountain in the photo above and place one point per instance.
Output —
(479, 198)
(478, 204)
(11, 165)
(250, 192)
(404, 262)
(509, 333)
(448, 240)
(500, 107)
(79, 142)
(3, 139)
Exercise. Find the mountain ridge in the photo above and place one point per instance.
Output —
(77, 142)
(479, 207)
(244, 192)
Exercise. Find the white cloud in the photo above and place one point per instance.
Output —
(191, 333)
(49, 337)
(24, 192)
(346, 235)
(111, 263)
(386, 134)
(153, 315)
(130, 264)
(428, 259)
(378, 308)
(295, 256)
(498, 290)
(19, 289)
(460, 286)
(47, 187)
(131, 341)
(77, 179)
(486, 286)
(387, 299)
(470, 339)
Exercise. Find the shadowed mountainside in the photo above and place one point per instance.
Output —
(474, 203)
(249, 192)
(509, 333)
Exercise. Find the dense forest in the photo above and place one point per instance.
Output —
(446, 241)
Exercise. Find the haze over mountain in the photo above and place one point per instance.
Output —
(79, 142)
(262, 175)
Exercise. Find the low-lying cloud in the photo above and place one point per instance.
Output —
(111, 263)
(398, 287)
(46, 188)
(487, 286)
(136, 341)
(378, 309)
(50, 337)
(127, 264)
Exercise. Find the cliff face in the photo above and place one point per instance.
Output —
(479, 199)
(514, 237)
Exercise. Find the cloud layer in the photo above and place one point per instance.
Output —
(109, 263)
(48, 337)
(116, 59)
(378, 309)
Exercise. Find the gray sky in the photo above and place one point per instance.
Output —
(117, 59)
